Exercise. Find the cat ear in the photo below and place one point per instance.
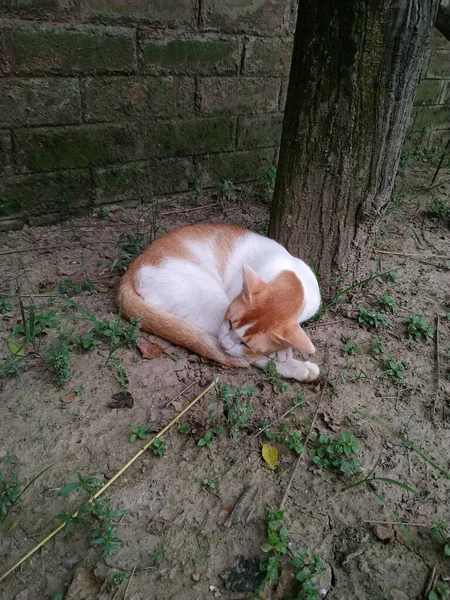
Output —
(294, 335)
(252, 283)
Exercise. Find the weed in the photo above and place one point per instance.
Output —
(271, 375)
(79, 391)
(157, 557)
(121, 372)
(387, 302)
(101, 212)
(206, 440)
(209, 483)
(438, 209)
(266, 186)
(119, 334)
(393, 369)
(158, 447)
(70, 288)
(101, 525)
(183, 428)
(439, 593)
(378, 346)
(5, 306)
(87, 341)
(390, 276)
(225, 189)
(335, 454)
(117, 579)
(350, 348)
(139, 432)
(59, 356)
(418, 328)
(33, 326)
(176, 355)
(277, 534)
(128, 247)
(238, 406)
(371, 318)
(196, 184)
(9, 458)
(11, 492)
(441, 532)
(307, 568)
(287, 436)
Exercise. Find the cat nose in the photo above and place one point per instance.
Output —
(227, 344)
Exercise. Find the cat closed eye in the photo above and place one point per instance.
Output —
(230, 323)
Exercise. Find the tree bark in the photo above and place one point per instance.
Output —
(354, 72)
(443, 21)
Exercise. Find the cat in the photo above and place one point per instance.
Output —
(227, 294)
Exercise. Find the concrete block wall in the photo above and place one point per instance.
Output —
(105, 101)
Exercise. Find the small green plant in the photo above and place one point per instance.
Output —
(390, 276)
(441, 531)
(308, 568)
(266, 186)
(277, 544)
(387, 302)
(59, 356)
(393, 369)
(196, 184)
(293, 438)
(371, 318)
(96, 515)
(176, 355)
(209, 483)
(157, 557)
(5, 306)
(337, 455)
(271, 375)
(438, 209)
(32, 328)
(117, 579)
(439, 593)
(58, 595)
(101, 213)
(225, 189)
(206, 440)
(418, 328)
(128, 247)
(183, 428)
(238, 406)
(139, 432)
(158, 447)
(11, 492)
(378, 346)
(70, 288)
(87, 341)
(350, 348)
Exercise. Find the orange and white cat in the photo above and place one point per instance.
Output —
(225, 293)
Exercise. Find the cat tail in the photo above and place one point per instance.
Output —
(169, 327)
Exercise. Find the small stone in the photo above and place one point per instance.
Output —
(196, 576)
(384, 533)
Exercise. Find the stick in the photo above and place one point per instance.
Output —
(441, 256)
(113, 478)
(299, 459)
(430, 583)
(129, 581)
(180, 394)
(396, 523)
(436, 173)
(177, 210)
(436, 358)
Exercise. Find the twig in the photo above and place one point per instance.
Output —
(299, 459)
(424, 256)
(436, 173)
(48, 248)
(111, 481)
(430, 583)
(324, 324)
(289, 410)
(177, 210)
(436, 358)
(180, 394)
(396, 523)
(129, 581)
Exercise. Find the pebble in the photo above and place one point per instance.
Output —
(196, 576)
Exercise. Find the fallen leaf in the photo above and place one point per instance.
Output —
(330, 422)
(384, 533)
(113, 219)
(16, 348)
(100, 288)
(270, 455)
(150, 350)
(69, 397)
(178, 406)
(225, 512)
(122, 400)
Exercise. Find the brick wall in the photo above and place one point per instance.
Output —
(111, 100)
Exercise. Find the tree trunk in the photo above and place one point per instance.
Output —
(354, 72)
(443, 21)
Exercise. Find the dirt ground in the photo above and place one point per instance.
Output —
(207, 534)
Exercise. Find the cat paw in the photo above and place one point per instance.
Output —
(283, 355)
(296, 369)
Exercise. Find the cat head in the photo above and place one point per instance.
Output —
(263, 318)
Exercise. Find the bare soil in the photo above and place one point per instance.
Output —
(166, 502)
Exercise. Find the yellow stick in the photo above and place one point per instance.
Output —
(107, 484)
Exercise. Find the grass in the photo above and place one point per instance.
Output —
(393, 368)
(387, 303)
(291, 437)
(417, 328)
(350, 348)
(338, 455)
(11, 492)
(157, 557)
(59, 356)
(225, 189)
(271, 375)
(438, 209)
(377, 345)
(237, 406)
(206, 440)
(373, 319)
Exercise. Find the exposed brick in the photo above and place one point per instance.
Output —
(122, 183)
(267, 56)
(436, 117)
(171, 175)
(42, 9)
(42, 101)
(60, 50)
(237, 166)
(50, 149)
(120, 98)
(428, 92)
(259, 132)
(5, 153)
(196, 136)
(190, 56)
(439, 65)
(245, 16)
(446, 98)
(41, 194)
(162, 12)
(227, 94)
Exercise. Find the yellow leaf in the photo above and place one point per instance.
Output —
(16, 348)
(270, 455)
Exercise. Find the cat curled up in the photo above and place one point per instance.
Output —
(226, 293)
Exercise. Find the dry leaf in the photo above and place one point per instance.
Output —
(270, 455)
(100, 288)
(150, 350)
(16, 348)
(225, 512)
(331, 423)
(113, 219)
(122, 400)
(178, 406)
(69, 397)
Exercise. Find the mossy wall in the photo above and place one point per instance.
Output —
(104, 100)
